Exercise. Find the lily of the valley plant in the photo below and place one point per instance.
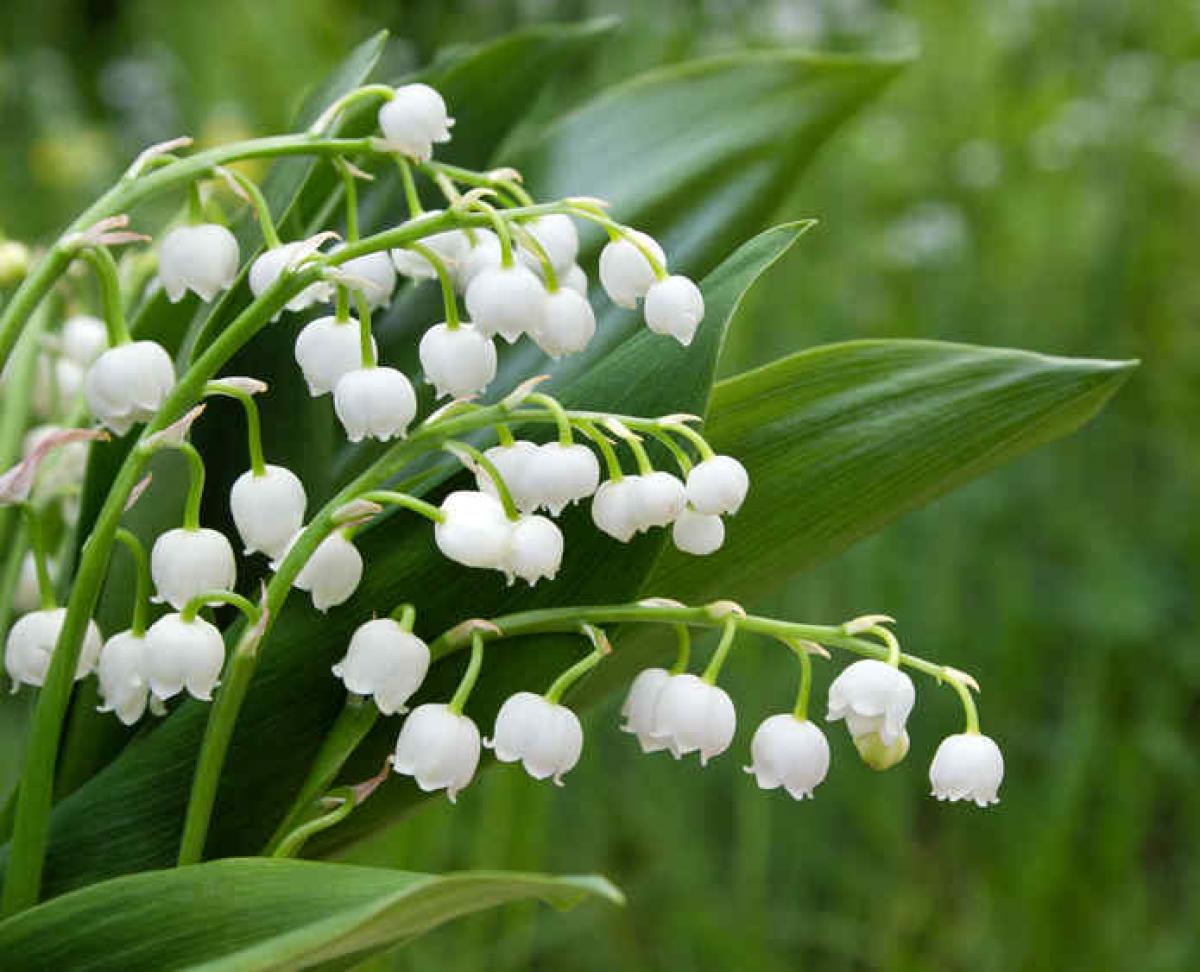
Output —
(485, 453)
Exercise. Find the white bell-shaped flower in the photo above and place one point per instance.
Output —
(31, 642)
(509, 301)
(474, 530)
(542, 735)
(84, 339)
(693, 716)
(27, 593)
(385, 662)
(659, 499)
(267, 509)
(625, 273)
(639, 706)
(185, 563)
(674, 307)
(127, 384)
(122, 675)
(615, 508)
(203, 259)
(372, 274)
(331, 574)
(567, 325)
(414, 120)
(326, 350)
(718, 486)
(520, 466)
(378, 403)
(179, 654)
(271, 265)
(535, 549)
(575, 279)
(451, 246)
(698, 534)
(458, 361)
(56, 385)
(874, 698)
(567, 474)
(967, 766)
(556, 233)
(438, 748)
(789, 752)
(481, 252)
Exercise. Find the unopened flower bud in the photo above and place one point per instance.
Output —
(509, 301)
(414, 120)
(273, 263)
(520, 466)
(660, 499)
(122, 675)
(327, 349)
(372, 274)
(27, 595)
(438, 748)
(625, 273)
(179, 654)
(385, 662)
(698, 534)
(31, 643)
(128, 384)
(674, 307)
(14, 262)
(331, 574)
(457, 361)
(639, 706)
(567, 474)
(84, 339)
(789, 752)
(481, 252)
(692, 716)
(567, 324)
(267, 509)
(475, 531)
(556, 233)
(535, 549)
(615, 508)
(378, 403)
(203, 259)
(185, 563)
(718, 486)
(875, 699)
(542, 735)
(880, 755)
(967, 766)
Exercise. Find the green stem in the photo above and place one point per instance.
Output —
(489, 467)
(612, 464)
(14, 557)
(728, 635)
(800, 711)
(258, 464)
(694, 437)
(449, 300)
(470, 676)
(205, 599)
(889, 640)
(262, 209)
(366, 343)
(411, 197)
(683, 655)
(558, 413)
(481, 180)
(195, 204)
(968, 704)
(195, 493)
(404, 615)
(500, 226)
(37, 546)
(341, 312)
(575, 673)
(681, 457)
(326, 118)
(294, 842)
(403, 500)
(640, 455)
(350, 189)
(533, 244)
(616, 230)
(141, 596)
(109, 279)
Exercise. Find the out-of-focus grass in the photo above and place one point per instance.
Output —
(1034, 180)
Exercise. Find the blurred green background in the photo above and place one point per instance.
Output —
(1032, 180)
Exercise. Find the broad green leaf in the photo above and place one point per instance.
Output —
(257, 915)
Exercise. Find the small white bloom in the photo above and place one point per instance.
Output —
(874, 698)
(331, 574)
(385, 662)
(372, 274)
(718, 486)
(376, 402)
(789, 752)
(659, 499)
(692, 716)
(179, 655)
(451, 246)
(481, 252)
(273, 263)
(326, 350)
(509, 301)
(625, 273)
(698, 534)
(268, 510)
(615, 508)
(127, 384)
(121, 672)
(185, 563)
(520, 466)
(556, 233)
(567, 325)
(27, 594)
(674, 307)
(547, 738)
(31, 642)
(457, 361)
(535, 549)
(438, 748)
(475, 531)
(203, 259)
(967, 766)
(414, 119)
(575, 279)
(56, 385)
(638, 709)
(84, 339)
(567, 474)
